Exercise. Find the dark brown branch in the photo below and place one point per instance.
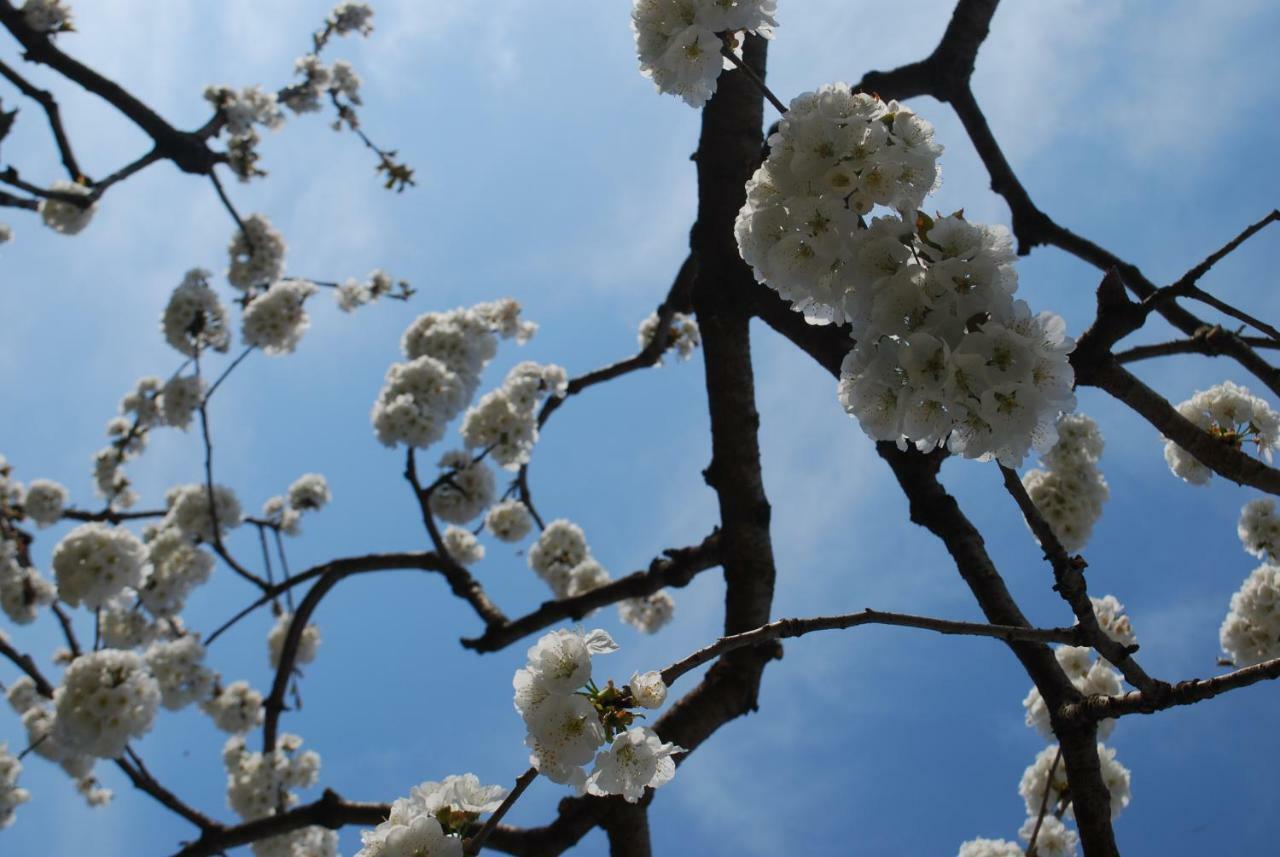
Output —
(461, 583)
(186, 150)
(329, 811)
(781, 629)
(1069, 582)
(8, 200)
(675, 568)
(1213, 453)
(345, 566)
(474, 843)
(112, 516)
(1182, 693)
(1209, 341)
(50, 105)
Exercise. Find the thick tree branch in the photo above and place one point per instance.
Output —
(1182, 693)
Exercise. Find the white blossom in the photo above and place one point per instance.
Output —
(1250, 634)
(420, 836)
(678, 41)
(285, 518)
(93, 562)
(648, 614)
(560, 547)
(179, 398)
(179, 670)
(1055, 839)
(462, 545)
(257, 254)
(123, 625)
(1230, 414)
(47, 16)
(308, 642)
(107, 698)
(244, 108)
(66, 218)
(457, 801)
(309, 491)
(508, 521)
(682, 333)
(648, 689)
(276, 319)
(1070, 493)
(417, 401)
(195, 320)
(990, 848)
(236, 708)
(1099, 679)
(637, 759)
(1112, 620)
(586, 576)
(10, 795)
(23, 591)
(44, 502)
(189, 510)
(258, 782)
(1259, 529)
(351, 18)
(467, 491)
(505, 420)
(177, 566)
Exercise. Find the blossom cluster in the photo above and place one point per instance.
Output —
(432, 820)
(106, 698)
(63, 216)
(508, 521)
(308, 493)
(308, 641)
(943, 353)
(195, 320)
(94, 562)
(1259, 529)
(1232, 415)
(189, 510)
(47, 16)
(679, 41)
(682, 333)
(22, 590)
(259, 784)
(1250, 634)
(568, 718)
(446, 353)
(467, 491)
(10, 795)
(1070, 491)
(39, 720)
(354, 293)
(505, 420)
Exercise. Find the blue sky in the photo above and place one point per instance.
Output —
(551, 172)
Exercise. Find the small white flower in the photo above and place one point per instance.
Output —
(648, 689)
(637, 759)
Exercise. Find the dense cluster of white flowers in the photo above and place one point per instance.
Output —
(943, 353)
(1231, 414)
(179, 670)
(1049, 773)
(467, 491)
(505, 420)
(561, 558)
(682, 334)
(189, 513)
(122, 625)
(568, 718)
(236, 708)
(679, 41)
(310, 491)
(257, 254)
(308, 642)
(258, 784)
(349, 18)
(990, 848)
(63, 217)
(10, 795)
(276, 319)
(508, 521)
(1259, 529)
(44, 501)
(179, 398)
(195, 320)
(47, 16)
(432, 820)
(1251, 632)
(93, 562)
(106, 698)
(447, 351)
(1089, 676)
(648, 614)
(176, 567)
(1070, 491)
(462, 544)
(22, 590)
